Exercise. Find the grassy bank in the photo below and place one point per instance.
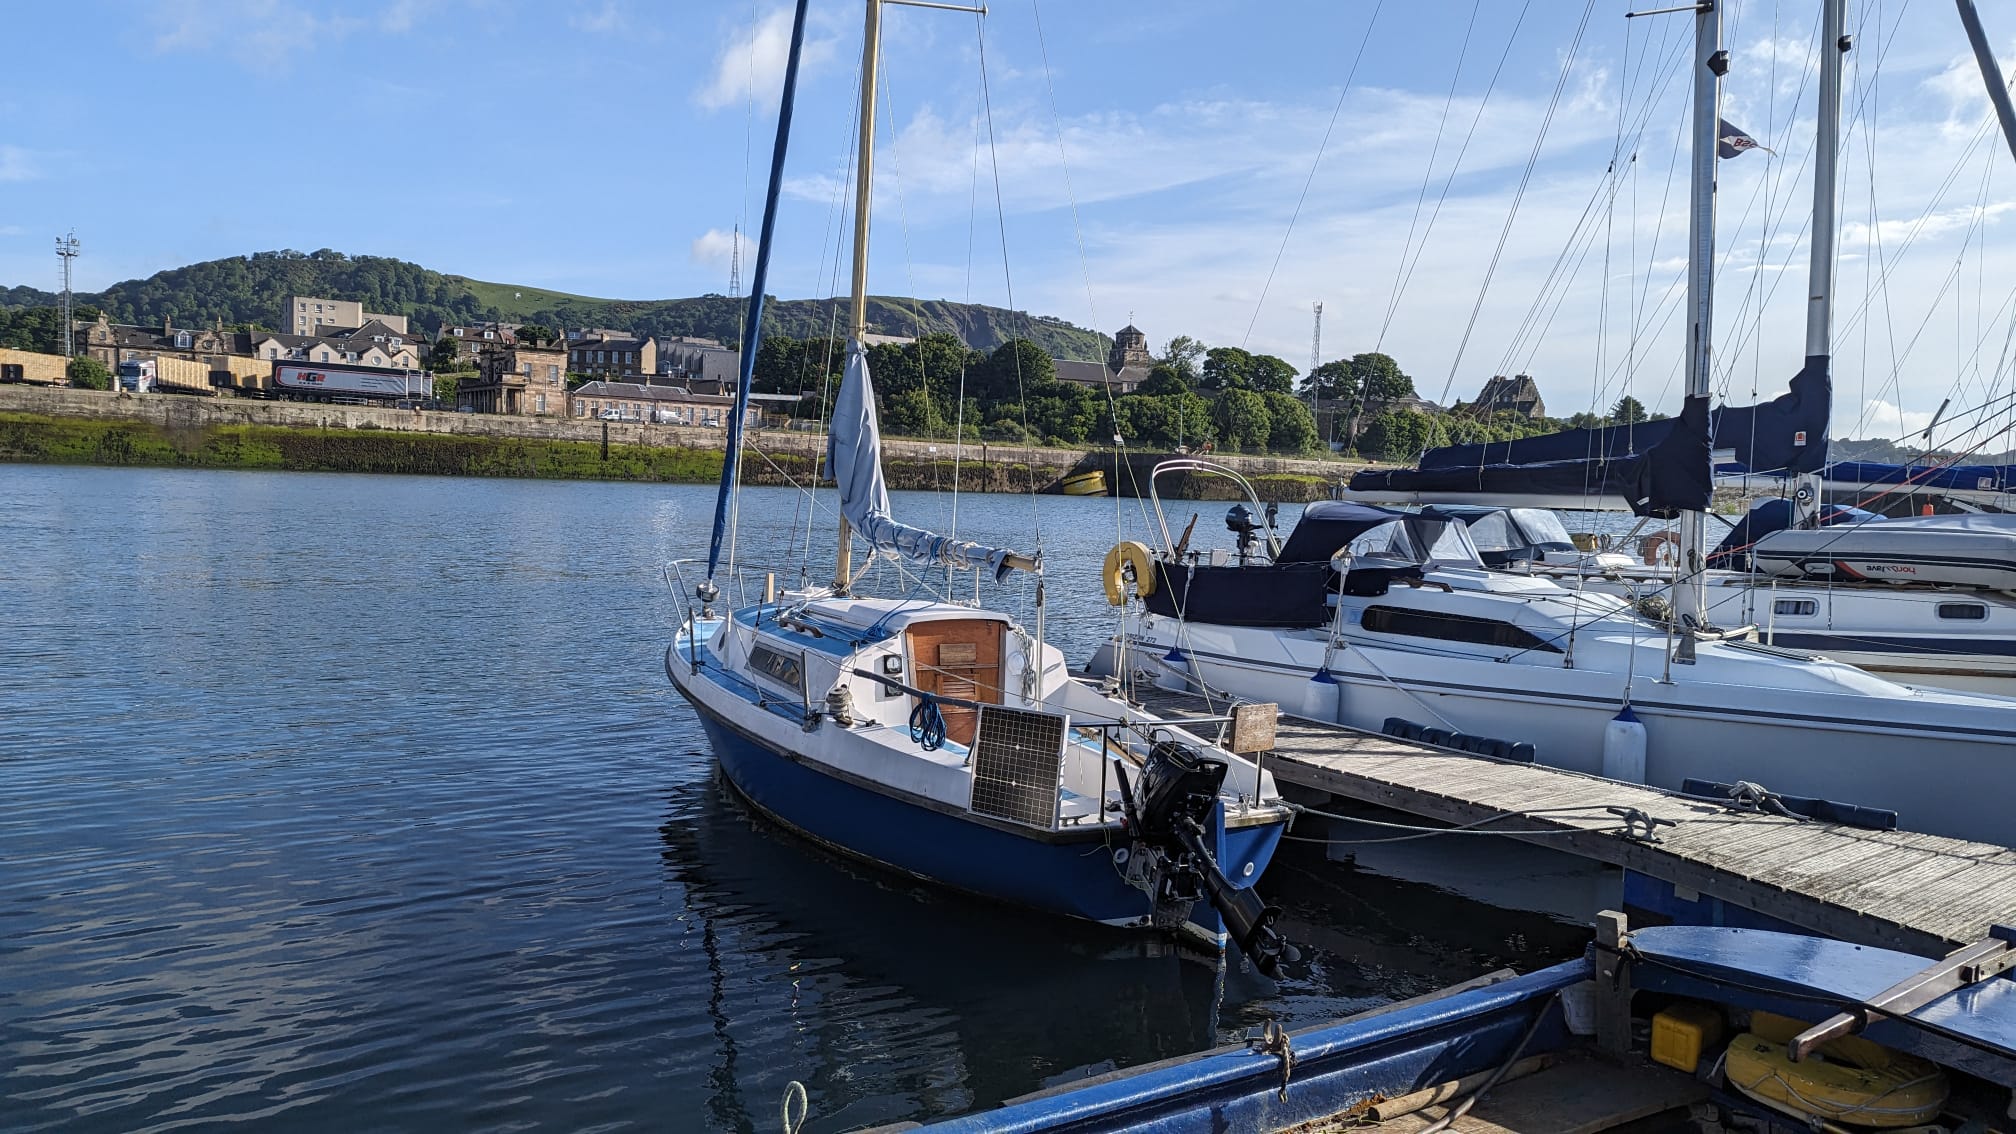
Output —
(89, 441)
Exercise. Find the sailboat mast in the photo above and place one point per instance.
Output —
(864, 191)
(1710, 62)
(752, 329)
(1826, 166)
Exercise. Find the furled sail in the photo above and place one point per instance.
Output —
(854, 458)
(1655, 468)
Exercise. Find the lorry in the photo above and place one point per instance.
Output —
(137, 375)
(328, 382)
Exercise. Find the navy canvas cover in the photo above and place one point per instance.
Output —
(1785, 435)
(1284, 595)
(1670, 475)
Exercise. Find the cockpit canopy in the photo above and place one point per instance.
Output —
(1509, 535)
(1379, 537)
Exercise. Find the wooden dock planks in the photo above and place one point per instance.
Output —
(1896, 889)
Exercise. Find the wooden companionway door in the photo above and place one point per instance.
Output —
(958, 658)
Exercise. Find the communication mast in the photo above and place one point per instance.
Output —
(1316, 340)
(735, 266)
(66, 251)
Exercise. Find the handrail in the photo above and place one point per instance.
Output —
(1208, 468)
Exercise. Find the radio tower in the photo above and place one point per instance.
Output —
(66, 251)
(1316, 339)
(735, 266)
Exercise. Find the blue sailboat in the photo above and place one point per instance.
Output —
(946, 742)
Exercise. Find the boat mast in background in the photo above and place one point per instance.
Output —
(1834, 44)
(864, 188)
(1991, 74)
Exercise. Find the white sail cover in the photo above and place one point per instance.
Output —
(854, 458)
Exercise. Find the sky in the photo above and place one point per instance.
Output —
(1474, 187)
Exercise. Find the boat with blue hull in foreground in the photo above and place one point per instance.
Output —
(1666, 1028)
(945, 743)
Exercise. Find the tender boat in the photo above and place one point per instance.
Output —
(1742, 1029)
(1091, 483)
(946, 742)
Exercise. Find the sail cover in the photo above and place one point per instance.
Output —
(854, 458)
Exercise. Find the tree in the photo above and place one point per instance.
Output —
(536, 333)
(1290, 428)
(1226, 368)
(1016, 370)
(1628, 411)
(445, 385)
(443, 355)
(1401, 435)
(1242, 420)
(89, 373)
(1164, 380)
(1183, 353)
(1376, 379)
(1158, 421)
(1270, 375)
(1331, 380)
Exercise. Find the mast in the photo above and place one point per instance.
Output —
(1820, 271)
(864, 191)
(1991, 74)
(1710, 62)
(752, 331)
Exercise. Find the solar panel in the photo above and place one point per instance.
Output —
(1018, 765)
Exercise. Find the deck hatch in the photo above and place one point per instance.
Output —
(1018, 765)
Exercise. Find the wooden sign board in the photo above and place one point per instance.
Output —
(1253, 728)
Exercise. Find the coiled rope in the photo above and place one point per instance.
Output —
(927, 724)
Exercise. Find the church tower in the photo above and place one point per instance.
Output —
(1130, 348)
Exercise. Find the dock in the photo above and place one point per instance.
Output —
(1915, 893)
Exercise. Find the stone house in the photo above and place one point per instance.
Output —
(653, 404)
(1517, 394)
(471, 338)
(517, 377)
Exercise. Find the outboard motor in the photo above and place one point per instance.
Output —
(1241, 521)
(1179, 789)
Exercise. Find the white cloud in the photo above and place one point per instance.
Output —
(262, 35)
(17, 164)
(716, 248)
(1885, 419)
(752, 64)
(10, 230)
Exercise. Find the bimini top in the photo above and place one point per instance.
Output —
(1391, 538)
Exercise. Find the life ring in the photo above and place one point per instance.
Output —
(1128, 554)
(1652, 549)
(1859, 1082)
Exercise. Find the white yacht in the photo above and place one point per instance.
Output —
(1370, 616)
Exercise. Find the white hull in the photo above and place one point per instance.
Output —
(1945, 762)
(1962, 551)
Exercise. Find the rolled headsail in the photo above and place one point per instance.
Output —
(854, 457)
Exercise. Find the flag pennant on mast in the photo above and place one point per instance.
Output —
(1729, 141)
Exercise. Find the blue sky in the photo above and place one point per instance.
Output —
(609, 146)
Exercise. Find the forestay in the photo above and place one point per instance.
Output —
(854, 457)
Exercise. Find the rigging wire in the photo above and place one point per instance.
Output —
(1525, 178)
(1401, 288)
(1313, 166)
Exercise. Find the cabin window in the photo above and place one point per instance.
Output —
(1963, 611)
(1452, 628)
(1795, 606)
(784, 669)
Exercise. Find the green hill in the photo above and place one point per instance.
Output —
(251, 289)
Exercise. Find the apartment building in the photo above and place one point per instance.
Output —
(311, 314)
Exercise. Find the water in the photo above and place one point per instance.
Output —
(346, 802)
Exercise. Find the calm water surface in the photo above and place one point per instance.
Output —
(346, 802)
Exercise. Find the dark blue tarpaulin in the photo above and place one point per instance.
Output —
(1785, 435)
(1667, 476)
